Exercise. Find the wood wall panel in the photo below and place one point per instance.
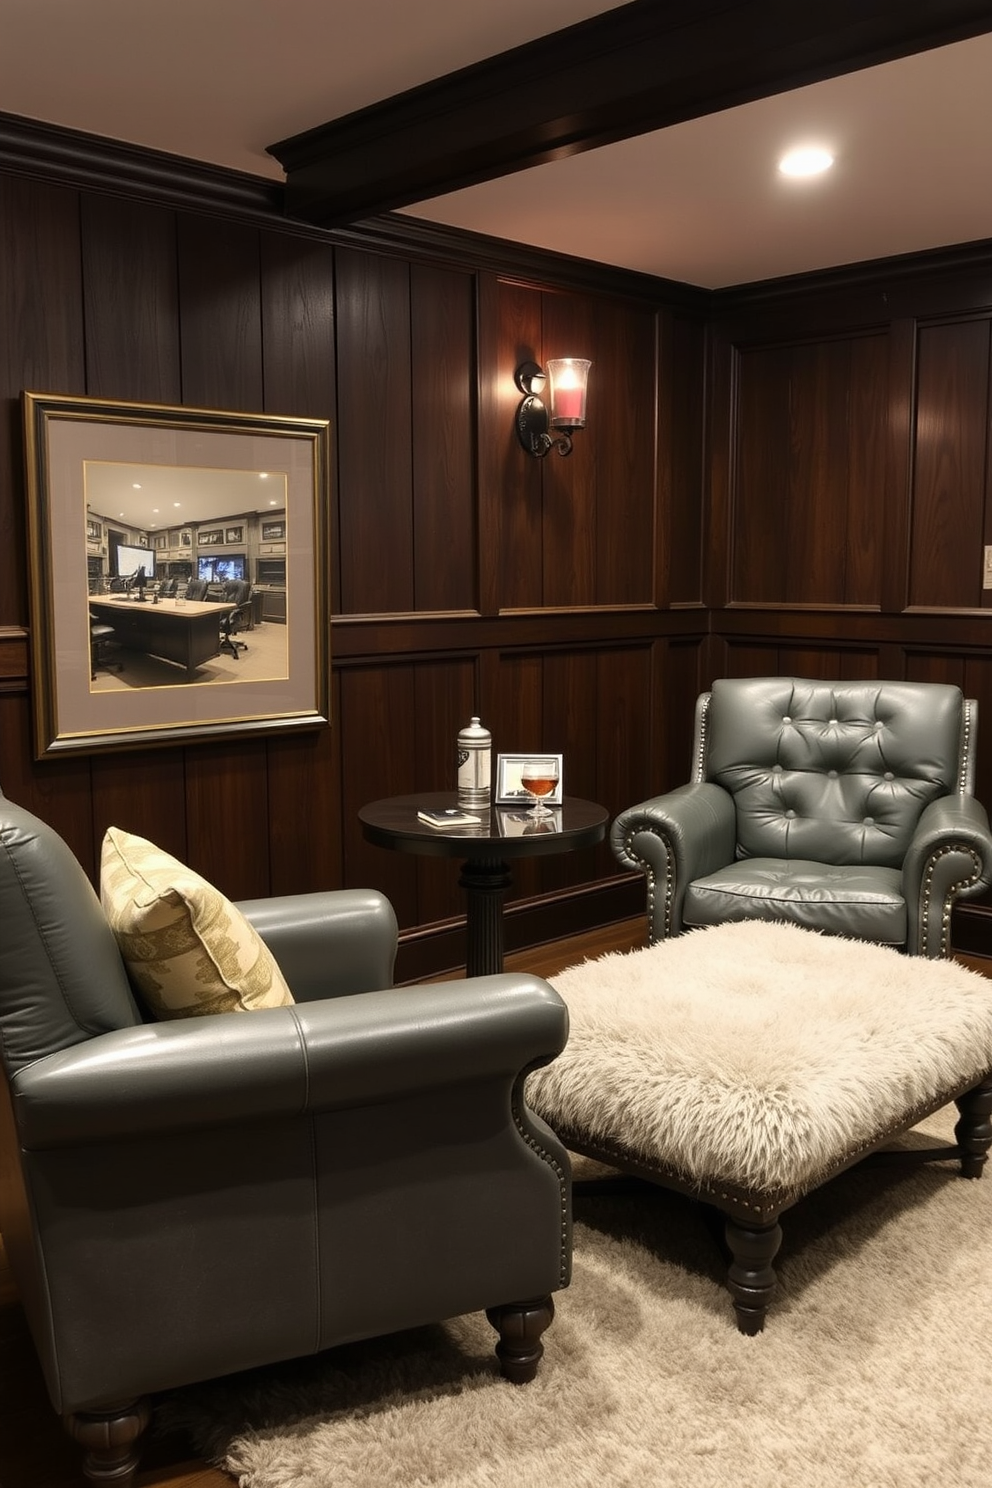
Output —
(140, 793)
(808, 505)
(512, 489)
(227, 816)
(41, 345)
(686, 674)
(303, 779)
(377, 760)
(614, 455)
(679, 443)
(220, 316)
(951, 442)
(579, 530)
(573, 485)
(445, 694)
(130, 301)
(375, 472)
(445, 509)
(297, 310)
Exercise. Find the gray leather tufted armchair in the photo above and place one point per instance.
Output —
(846, 807)
(182, 1200)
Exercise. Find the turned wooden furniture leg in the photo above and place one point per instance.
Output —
(520, 1325)
(751, 1278)
(973, 1132)
(110, 1441)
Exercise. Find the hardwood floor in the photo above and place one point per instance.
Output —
(35, 1451)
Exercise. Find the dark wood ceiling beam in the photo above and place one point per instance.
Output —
(642, 67)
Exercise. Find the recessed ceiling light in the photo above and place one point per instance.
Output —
(809, 160)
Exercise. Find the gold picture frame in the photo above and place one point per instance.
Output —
(74, 449)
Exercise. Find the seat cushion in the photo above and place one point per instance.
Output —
(865, 903)
(187, 949)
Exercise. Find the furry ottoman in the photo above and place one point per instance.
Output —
(745, 1064)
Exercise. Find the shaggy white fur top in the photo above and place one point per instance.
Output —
(758, 1053)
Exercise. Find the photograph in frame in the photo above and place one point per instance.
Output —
(508, 788)
(123, 659)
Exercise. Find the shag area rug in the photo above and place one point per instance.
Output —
(877, 1372)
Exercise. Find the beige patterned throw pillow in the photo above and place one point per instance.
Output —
(188, 950)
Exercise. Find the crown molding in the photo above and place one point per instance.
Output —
(871, 276)
(415, 237)
(69, 157)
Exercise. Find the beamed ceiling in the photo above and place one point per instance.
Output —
(643, 135)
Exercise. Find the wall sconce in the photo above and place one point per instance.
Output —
(568, 377)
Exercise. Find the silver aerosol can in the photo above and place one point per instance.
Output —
(475, 754)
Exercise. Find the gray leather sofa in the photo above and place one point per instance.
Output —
(845, 807)
(185, 1199)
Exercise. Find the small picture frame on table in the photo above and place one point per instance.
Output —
(509, 788)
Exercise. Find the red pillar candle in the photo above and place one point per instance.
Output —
(568, 390)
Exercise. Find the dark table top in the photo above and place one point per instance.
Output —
(504, 832)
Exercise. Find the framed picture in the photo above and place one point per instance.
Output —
(234, 534)
(273, 531)
(168, 680)
(510, 790)
(94, 530)
(211, 539)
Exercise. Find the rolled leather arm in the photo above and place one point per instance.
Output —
(277, 1063)
(328, 944)
(674, 839)
(949, 858)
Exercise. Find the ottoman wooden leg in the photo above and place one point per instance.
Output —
(973, 1132)
(751, 1278)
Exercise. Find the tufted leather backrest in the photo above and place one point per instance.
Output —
(61, 976)
(836, 772)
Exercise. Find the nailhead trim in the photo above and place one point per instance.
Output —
(704, 716)
(774, 1201)
(563, 1186)
(652, 884)
(965, 747)
(954, 890)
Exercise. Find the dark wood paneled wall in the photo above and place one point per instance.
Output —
(786, 477)
(851, 429)
(466, 575)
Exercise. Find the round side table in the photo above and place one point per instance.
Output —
(505, 832)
